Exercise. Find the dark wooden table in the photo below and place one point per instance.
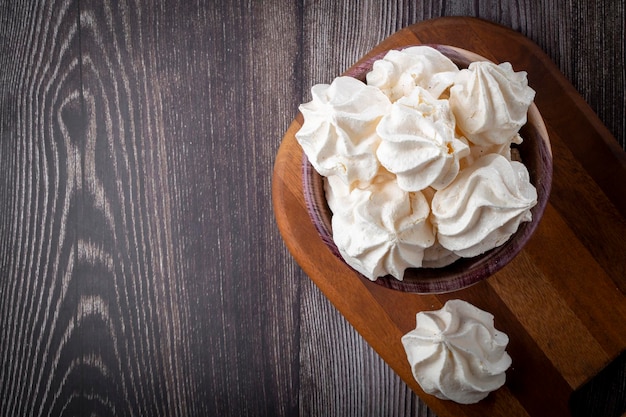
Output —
(141, 270)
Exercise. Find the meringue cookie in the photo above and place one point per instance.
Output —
(418, 142)
(490, 102)
(338, 135)
(483, 206)
(381, 229)
(456, 353)
(398, 72)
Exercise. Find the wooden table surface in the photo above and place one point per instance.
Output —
(141, 269)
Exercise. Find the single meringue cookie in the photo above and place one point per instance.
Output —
(339, 135)
(399, 71)
(456, 353)
(483, 206)
(418, 142)
(379, 230)
(490, 102)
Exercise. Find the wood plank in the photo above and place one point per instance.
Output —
(123, 286)
(230, 325)
(39, 304)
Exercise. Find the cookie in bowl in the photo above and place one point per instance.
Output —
(440, 182)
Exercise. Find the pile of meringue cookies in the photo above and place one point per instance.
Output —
(418, 165)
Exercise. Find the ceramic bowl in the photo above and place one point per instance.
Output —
(535, 153)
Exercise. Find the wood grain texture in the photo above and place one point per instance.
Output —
(135, 280)
(141, 270)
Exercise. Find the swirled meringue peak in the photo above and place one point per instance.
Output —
(339, 135)
(456, 353)
(400, 71)
(418, 142)
(483, 206)
(490, 102)
(381, 229)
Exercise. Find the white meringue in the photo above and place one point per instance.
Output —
(400, 71)
(418, 142)
(483, 206)
(338, 135)
(456, 353)
(490, 102)
(380, 230)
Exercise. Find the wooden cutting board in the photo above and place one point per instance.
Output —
(561, 300)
